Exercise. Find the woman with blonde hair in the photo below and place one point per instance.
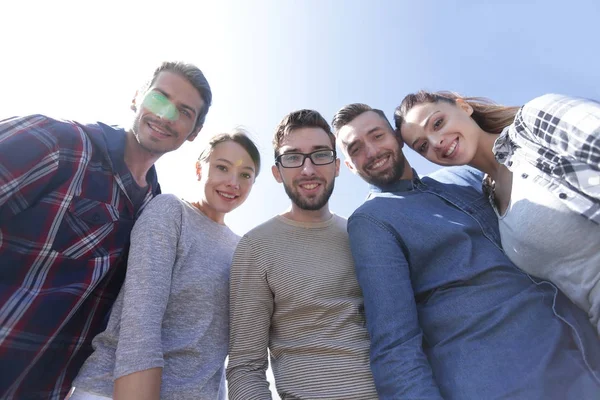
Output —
(167, 336)
(542, 166)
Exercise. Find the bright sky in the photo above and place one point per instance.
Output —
(263, 59)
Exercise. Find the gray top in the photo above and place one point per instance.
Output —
(545, 238)
(294, 291)
(172, 311)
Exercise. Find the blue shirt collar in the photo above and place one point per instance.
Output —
(402, 185)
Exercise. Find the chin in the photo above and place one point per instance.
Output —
(229, 209)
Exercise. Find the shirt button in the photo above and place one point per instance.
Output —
(524, 176)
(562, 196)
(96, 218)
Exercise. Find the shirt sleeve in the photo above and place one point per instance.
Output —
(147, 286)
(251, 307)
(399, 365)
(29, 158)
(569, 126)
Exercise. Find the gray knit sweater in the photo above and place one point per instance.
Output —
(172, 311)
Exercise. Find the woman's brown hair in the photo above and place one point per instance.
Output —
(490, 116)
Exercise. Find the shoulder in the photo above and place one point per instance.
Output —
(550, 100)
(49, 130)
(372, 208)
(339, 222)
(267, 229)
(165, 207)
(552, 105)
(462, 176)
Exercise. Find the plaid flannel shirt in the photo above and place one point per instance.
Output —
(65, 220)
(560, 136)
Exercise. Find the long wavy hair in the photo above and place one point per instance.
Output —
(489, 115)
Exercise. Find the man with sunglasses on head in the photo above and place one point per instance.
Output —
(293, 288)
(69, 196)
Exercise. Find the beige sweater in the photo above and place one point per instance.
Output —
(293, 290)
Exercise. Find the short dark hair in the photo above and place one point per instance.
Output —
(238, 136)
(300, 119)
(348, 113)
(194, 76)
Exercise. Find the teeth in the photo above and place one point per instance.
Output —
(229, 196)
(379, 163)
(310, 186)
(451, 149)
(157, 129)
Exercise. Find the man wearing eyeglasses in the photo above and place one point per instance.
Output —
(293, 288)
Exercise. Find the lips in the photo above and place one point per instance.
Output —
(378, 162)
(450, 150)
(309, 186)
(227, 196)
(158, 129)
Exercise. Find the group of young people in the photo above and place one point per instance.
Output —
(479, 281)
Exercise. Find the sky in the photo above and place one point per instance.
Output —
(264, 59)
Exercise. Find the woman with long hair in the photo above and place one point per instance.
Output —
(167, 336)
(542, 174)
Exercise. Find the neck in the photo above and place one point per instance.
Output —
(138, 160)
(297, 214)
(408, 171)
(484, 159)
(210, 212)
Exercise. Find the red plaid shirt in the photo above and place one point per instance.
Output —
(65, 220)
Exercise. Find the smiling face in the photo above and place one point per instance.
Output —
(442, 132)
(166, 114)
(372, 150)
(308, 186)
(226, 178)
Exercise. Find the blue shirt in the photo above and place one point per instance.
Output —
(448, 314)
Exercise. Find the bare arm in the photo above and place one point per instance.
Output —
(142, 385)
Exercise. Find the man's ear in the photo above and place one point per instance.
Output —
(276, 174)
(337, 167)
(350, 166)
(194, 133)
(199, 170)
(466, 107)
(134, 102)
(398, 137)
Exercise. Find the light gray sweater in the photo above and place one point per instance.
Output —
(172, 311)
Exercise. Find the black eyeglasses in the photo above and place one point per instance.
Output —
(296, 160)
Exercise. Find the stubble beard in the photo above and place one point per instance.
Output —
(146, 144)
(389, 176)
(312, 204)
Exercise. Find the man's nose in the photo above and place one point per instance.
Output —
(308, 168)
(370, 150)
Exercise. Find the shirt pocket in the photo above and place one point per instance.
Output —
(86, 229)
(93, 212)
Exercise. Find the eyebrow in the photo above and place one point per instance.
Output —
(425, 124)
(230, 163)
(183, 105)
(314, 148)
(430, 115)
